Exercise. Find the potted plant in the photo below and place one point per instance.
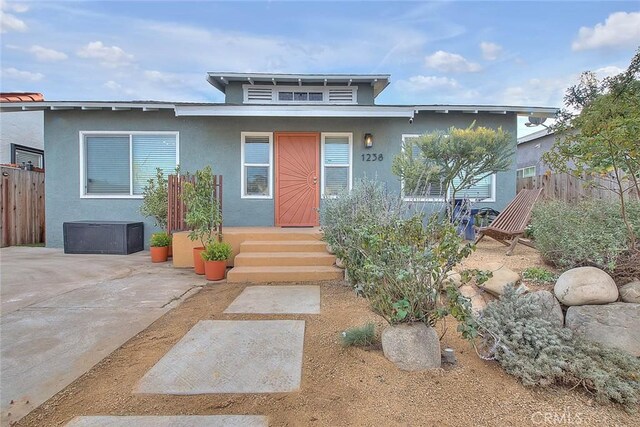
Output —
(203, 213)
(160, 243)
(215, 256)
(155, 199)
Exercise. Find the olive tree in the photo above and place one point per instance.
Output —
(452, 161)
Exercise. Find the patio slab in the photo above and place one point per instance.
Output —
(277, 300)
(171, 421)
(228, 356)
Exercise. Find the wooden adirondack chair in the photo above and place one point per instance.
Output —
(510, 224)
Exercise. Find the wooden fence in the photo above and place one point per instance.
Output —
(22, 194)
(176, 209)
(569, 188)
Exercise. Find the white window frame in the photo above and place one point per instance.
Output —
(83, 160)
(323, 137)
(323, 89)
(243, 136)
(525, 168)
(491, 199)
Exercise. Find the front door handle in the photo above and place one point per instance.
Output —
(315, 180)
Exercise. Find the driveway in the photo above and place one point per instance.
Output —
(62, 314)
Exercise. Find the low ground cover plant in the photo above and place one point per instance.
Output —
(538, 275)
(361, 336)
(542, 354)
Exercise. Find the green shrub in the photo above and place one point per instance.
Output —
(160, 239)
(362, 336)
(203, 209)
(590, 232)
(393, 259)
(542, 354)
(538, 275)
(216, 251)
(155, 199)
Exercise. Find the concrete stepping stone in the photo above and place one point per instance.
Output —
(171, 421)
(277, 300)
(231, 356)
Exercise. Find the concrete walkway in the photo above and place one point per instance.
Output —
(62, 314)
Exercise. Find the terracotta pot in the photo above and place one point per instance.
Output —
(215, 270)
(159, 253)
(198, 262)
(170, 252)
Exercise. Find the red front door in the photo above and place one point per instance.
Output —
(297, 179)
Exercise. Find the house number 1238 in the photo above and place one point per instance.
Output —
(372, 157)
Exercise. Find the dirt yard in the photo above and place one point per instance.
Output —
(340, 386)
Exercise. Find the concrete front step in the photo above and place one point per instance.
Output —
(283, 259)
(264, 274)
(283, 246)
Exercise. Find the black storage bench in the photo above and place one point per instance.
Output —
(103, 237)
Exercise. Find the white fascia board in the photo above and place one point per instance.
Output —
(68, 105)
(496, 109)
(292, 111)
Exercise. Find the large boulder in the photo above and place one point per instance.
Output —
(631, 292)
(502, 276)
(454, 278)
(613, 325)
(412, 346)
(549, 307)
(585, 286)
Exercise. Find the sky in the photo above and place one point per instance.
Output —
(444, 52)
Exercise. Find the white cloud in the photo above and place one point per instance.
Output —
(451, 63)
(426, 83)
(608, 71)
(545, 92)
(13, 6)
(12, 73)
(620, 29)
(109, 56)
(161, 77)
(9, 22)
(46, 54)
(490, 51)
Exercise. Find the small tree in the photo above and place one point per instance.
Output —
(155, 199)
(203, 210)
(453, 161)
(598, 132)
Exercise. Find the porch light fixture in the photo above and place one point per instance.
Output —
(368, 140)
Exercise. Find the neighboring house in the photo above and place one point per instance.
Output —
(283, 142)
(22, 133)
(530, 151)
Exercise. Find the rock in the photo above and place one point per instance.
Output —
(330, 249)
(412, 346)
(479, 298)
(339, 263)
(455, 278)
(502, 276)
(585, 286)
(612, 325)
(631, 292)
(549, 307)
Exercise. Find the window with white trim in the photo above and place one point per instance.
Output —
(527, 172)
(257, 158)
(420, 189)
(120, 164)
(336, 163)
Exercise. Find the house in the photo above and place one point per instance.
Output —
(283, 143)
(22, 133)
(530, 150)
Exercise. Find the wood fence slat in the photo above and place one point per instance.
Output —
(23, 208)
(569, 188)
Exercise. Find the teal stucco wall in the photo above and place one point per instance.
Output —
(216, 141)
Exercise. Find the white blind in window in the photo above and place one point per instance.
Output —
(151, 152)
(107, 164)
(480, 190)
